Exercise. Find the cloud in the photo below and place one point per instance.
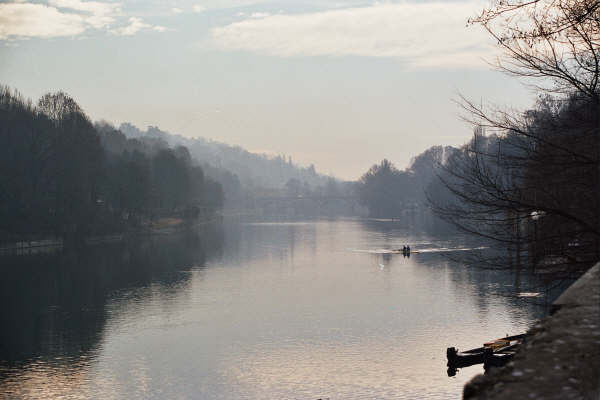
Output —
(37, 20)
(176, 10)
(99, 15)
(424, 34)
(135, 25)
(259, 15)
(229, 4)
(64, 18)
(93, 7)
(198, 8)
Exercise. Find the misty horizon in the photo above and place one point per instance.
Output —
(343, 86)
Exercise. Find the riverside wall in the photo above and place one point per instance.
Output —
(561, 356)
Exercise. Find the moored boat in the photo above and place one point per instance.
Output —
(495, 353)
(461, 359)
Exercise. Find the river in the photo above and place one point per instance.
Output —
(296, 310)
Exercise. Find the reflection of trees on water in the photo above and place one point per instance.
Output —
(422, 225)
(55, 303)
(272, 239)
(488, 285)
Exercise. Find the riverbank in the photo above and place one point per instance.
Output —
(162, 226)
(561, 358)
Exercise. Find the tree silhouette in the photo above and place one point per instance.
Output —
(532, 183)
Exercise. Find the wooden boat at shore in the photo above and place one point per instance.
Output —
(493, 354)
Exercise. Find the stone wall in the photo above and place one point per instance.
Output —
(561, 356)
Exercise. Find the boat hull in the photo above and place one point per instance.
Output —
(493, 354)
(458, 359)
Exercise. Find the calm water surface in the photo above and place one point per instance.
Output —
(300, 310)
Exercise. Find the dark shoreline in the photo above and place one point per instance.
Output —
(561, 357)
(42, 243)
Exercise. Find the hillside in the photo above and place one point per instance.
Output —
(254, 171)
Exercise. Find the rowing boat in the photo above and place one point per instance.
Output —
(400, 251)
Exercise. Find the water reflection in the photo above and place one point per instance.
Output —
(261, 310)
(56, 303)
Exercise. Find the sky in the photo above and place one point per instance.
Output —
(341, 84)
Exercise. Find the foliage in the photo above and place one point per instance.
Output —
(391, 193)
(61, 174)
(383, 188)
(254, 172)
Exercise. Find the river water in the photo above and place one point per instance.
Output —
(298, 310)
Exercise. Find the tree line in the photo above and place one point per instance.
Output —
(388, 192)
(63, 175)
(248, 178)
(255, 172)
(534, 190)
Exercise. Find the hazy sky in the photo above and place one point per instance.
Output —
(338, 83)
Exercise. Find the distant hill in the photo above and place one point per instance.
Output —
(254, 171)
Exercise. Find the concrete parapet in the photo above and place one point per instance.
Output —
(561, 356)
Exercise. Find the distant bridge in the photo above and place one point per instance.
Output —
(295, 198)
(306, 205)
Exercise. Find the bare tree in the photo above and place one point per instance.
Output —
(532, 184)
(548, 39)
(57, 106)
